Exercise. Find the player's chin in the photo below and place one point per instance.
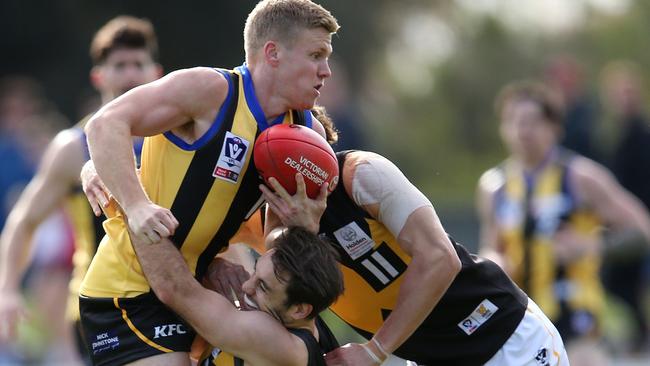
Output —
(306, 105)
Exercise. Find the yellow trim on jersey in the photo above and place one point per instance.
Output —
(137, 331)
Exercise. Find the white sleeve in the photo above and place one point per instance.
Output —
(377, 180)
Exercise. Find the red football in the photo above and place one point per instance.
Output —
(281, 151)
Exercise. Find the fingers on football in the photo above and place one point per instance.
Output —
(322, 194)
(279, 190)
(301, 188)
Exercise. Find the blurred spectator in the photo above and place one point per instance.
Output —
(28, 122)
(336, 98)
(625, 274)
(20, 99)
(564, 75)
(541, 212)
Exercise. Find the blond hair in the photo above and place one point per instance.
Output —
(280, 20)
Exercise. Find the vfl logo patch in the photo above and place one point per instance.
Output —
(232, 157)
(480, 315)
(105, 342)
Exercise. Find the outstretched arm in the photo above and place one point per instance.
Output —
(251, 335)
(182, 97)
(56, 175)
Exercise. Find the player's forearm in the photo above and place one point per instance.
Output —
(15, 245)
(171, 280)
(425, 282)
(111, 149)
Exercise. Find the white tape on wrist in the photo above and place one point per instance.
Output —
(380, 347)
(371, 353)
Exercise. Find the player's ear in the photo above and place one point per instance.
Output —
(271, 53)
(300, 311)
(97, 77)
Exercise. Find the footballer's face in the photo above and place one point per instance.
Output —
(525, 130)
(123, 70)
(265, 291)
(303, 66)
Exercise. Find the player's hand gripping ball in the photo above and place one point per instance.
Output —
(281, 151)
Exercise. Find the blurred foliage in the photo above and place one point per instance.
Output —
(444, 139)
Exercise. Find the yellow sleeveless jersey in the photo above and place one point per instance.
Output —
(529, 211)
(210, 186)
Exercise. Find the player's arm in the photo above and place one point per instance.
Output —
(57, 173)
(489, 244)
(251, 335)
(619, 209)
(379, 187)
(182, 97)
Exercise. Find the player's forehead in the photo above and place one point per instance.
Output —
(314, 39)
(265, 271)
(125, 55)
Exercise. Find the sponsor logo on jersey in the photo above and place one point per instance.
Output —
(354, 240)
(104, 342)
(480, 315)
(168, 330)
(542, 357)
(232, 158)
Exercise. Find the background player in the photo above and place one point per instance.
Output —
(124, 53)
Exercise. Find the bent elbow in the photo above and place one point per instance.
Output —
(94, 127)
(455, 265)
(165, 292)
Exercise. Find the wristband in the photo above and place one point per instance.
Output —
(379, 347)
(371, 353)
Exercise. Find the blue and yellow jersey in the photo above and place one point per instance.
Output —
(211, 187)
(529, 210)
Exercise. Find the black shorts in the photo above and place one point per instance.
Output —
(122, 330)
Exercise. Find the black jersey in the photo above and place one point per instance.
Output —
(473, 319)
(316, 348)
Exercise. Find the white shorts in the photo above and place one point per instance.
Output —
(535, 342)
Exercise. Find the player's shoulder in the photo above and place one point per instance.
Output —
(586, 175)
(66, 153)
(69, 141)
(198, 86)
(376, 165)
(357, 157)
(199, 74)
(492, 180)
